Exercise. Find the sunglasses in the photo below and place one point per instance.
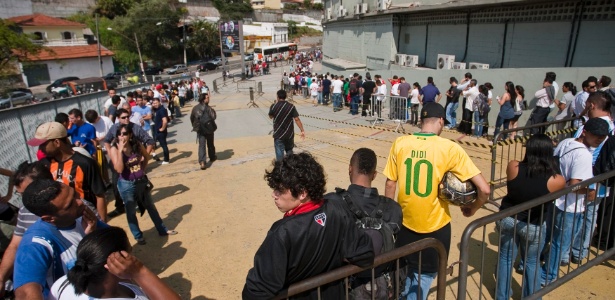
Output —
(124, 133)
(124, 118)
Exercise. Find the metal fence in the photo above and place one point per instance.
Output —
(510, 146)
(344, 273)
(477, 255)
(389, 108)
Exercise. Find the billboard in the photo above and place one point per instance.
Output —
(229, 33)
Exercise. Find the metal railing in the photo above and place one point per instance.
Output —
(389, 108)
(505, 149)
(343, 273)
(476, 253)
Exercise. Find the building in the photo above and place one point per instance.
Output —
(264, 34)
(497, 33)
(73, 46)
(266, 4)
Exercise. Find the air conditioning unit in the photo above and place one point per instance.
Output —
(400, 59)
(474, 65)
(459, 66)
(384, 4)
(445, 62)
(412, 61)
(329, 13)
(357, 9)
(363, 8)
(340, 11)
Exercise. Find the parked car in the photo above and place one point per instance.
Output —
(181, 68)
(217, 61)
(249, 57)
(88, 85)
(60, 81)
(208, 66)
(11, 99)
(153, 71)
(113, 75)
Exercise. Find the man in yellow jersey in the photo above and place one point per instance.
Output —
(418, 162)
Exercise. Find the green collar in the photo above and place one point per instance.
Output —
(424, 134)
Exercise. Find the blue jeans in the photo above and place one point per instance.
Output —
(529, 240)
(580, 244)
(283, 145)
(563, 225)
(354, 104)
(337, 100)
(498, 123)
(127, 190)
(411, 287)
(319, 97)
(478, 124)
(451, 114)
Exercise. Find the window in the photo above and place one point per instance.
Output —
(38, 35)
(67, 35)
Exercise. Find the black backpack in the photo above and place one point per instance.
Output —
(207, 124)
(605, 162)
(352, 87)
(383, 237)
(610, 96)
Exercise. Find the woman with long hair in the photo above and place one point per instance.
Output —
(563, 107)
(415, 95)
(480, 114)
(507, 112)
(103, 265)
(536, 175)
(518, 106)
(129, 159)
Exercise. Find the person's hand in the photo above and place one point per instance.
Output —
(123, 265)
(302, 134)
(77, 144)
(121, 143)
(88, 221)
(470, 210)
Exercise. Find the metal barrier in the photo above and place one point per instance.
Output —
(392, 108)
(244, 86)
(505, 150)
(472, 250)
(394, 255)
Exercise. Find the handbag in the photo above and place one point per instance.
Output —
(517, 106)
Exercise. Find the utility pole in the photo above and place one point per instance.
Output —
(185, 57)
(140, 57)
(100, 63)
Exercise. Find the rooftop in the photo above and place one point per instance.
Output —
(68, 52)
(42, 20)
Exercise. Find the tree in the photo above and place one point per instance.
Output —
(233, 10)
(204, 39)
(113, 8)
(15, 46)
(307, 4)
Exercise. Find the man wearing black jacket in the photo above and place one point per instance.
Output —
(314, 236)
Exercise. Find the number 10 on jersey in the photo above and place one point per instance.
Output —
(413, 172)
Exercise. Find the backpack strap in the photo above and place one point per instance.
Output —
(359, 213)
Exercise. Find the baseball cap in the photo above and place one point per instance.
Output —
(597, 126)
(47, 131)
(159, 87)
(432, 110)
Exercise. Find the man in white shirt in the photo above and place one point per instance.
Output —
(578, 106)
(337, 86)
(381, 92)
(135, 117)
(575, 157)
(102, 124)
(108, 103)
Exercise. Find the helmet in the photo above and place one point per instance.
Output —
(456, 192)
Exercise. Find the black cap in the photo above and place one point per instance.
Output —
(597, 126)
(432, 110)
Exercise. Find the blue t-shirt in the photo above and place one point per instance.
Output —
(84, 134)
(429, 93)
(326, 86)
(144, 111)
(160, 114)
(45, 254)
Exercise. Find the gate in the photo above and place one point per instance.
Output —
(37, 74)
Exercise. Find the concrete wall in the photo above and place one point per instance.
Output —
(62, 8)
(13, 8)
(530, 79)
(80, 67)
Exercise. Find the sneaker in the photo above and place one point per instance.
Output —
(115, 213)
(213, 159)
(141, 241)
(164, 162)
(575, 260)
(156, 158)
(169, 232)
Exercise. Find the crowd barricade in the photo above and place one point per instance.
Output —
(389, 108)
(510, 145)
(396, 255)
(483, 250)
(243, 86)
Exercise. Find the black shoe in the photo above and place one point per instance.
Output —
(156, 158)
(213, 159)
(115, 213)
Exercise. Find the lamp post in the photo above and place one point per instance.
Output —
(136, 41)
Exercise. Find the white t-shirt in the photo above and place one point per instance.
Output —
(470, 94)
(415, 96)
(337, 86)
(291, 80)
(382, 91)
(314, 89)
(575, 161)
(109, 102)
(64, 290)
(102, 126)
(395, 89)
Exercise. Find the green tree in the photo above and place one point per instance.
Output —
(113, 8)
(233, 9)
(307, 4)
(204, 38)
(292, 29)
(15, 46)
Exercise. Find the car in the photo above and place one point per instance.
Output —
(11, 99)
(153, 71)
(113, 75)
(208, 66)
(217, 61)
(249, 57)
(60, 81)
(181, 68)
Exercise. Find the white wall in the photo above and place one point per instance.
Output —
(80, 67)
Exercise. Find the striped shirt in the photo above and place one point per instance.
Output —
(25, 218)
(283, 114)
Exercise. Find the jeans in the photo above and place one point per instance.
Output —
(206, 140)
(283, 145)
(319, 97)
(561, 237)
(529, 240)
(580, 244)
(127, 189)
(498, 123)
(354, 104)
(161, 137)
(451, 114)
(411, 287)
(337, 100)
(325, 98)
(414, 114)
(539, 115)
(182, 101)
(119, 203)
(478, 124)
(178, 112)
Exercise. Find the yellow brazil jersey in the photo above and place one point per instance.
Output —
(418, 162)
